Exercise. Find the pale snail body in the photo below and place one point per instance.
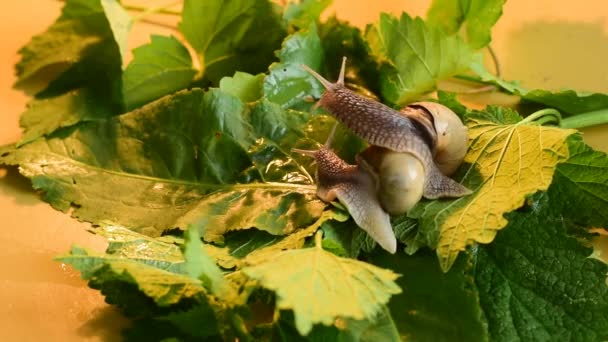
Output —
(398, 169)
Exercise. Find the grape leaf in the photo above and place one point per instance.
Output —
(159, 68)
(44, 116)
(180, 160)
(82, 38)
(581, 184)
(434, 306)
(504, 164)
(536, 283)
(241, 37)
(304, 12)
(324, 287)
(477, 16)
(287, 83)
(413, 56)
(245, 86)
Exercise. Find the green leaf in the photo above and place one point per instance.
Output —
(165, 288)
(413, 56)
(159, 68)
(302, 13)
(477, 16)
(81, 40)
(201, 266)
(434, 306)
(181, 160)
(287, 83)
(120, 22)
(340, 39)
(568, 102)
(581, 185)
(241, 37)
(45, 116)
(245, 86)
(198, 322)
(538, 284)
(295, 240)
(505, 164)
(380, 328)
(346, 288)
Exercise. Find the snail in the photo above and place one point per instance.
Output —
(356, 189)
(404, 145)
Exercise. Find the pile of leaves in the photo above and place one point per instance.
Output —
(181, 158)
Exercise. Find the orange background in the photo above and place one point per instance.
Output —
(545, 43)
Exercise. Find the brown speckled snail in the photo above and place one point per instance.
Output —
(410, 155)
(356, 189)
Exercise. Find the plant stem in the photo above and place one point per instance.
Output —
(597, 117)
(150, 10)
(543, 116)
(319, 239)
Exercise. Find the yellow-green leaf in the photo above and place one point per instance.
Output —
(320, 287)
(504, 164)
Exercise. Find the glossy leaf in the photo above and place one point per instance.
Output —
(178, 161)
(287, 83)
(413, 56)
(159, 68)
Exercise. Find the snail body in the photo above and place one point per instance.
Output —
(401, 132)
(355, 188)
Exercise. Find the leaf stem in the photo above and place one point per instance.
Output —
(163, 9)
(543, 116)
(597, 117)
(319, 239)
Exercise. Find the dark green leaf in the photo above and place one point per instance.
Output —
(538, 284)
(45, 116)
(287, 83)
(230, 36)
(581, 185)
(82, 41)
(245, 86)
(477, 16)
(434, 306)
(159, 68)
(340, 39)
(181, 160)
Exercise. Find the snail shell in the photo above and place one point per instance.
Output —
(385, 127)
